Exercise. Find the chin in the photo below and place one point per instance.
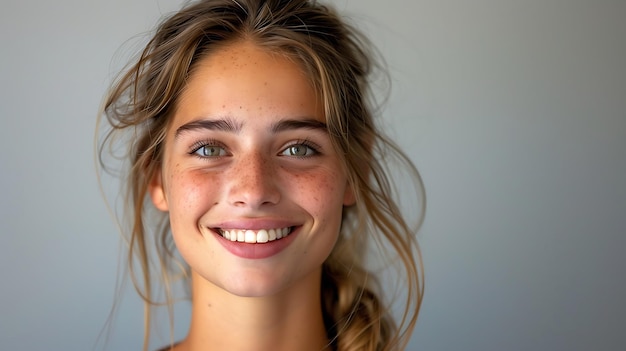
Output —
(265, 281)
(255, 287)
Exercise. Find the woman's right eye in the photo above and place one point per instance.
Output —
(210, 151)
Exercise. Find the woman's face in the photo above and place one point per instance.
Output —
(252, 184)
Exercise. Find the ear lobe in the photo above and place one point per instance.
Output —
(157, 193)
(348, 196)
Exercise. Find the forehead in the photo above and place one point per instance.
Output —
(242, 80)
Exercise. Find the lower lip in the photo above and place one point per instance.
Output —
(257, 250)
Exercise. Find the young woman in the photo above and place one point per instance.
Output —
(249, 128)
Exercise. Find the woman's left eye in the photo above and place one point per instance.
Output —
(299, 150)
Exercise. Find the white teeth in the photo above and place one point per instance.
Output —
(262, 236)
(251, 236)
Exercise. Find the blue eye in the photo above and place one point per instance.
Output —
(210, 151)
(299, 150)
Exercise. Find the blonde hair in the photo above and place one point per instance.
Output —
(339, 64)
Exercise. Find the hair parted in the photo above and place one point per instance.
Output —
(338, 62)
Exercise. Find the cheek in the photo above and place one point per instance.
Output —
(192, 193)
(321, 192)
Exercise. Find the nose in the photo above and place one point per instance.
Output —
(252, 182)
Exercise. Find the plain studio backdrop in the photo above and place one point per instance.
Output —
(514, 112)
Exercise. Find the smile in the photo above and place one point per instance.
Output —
(255, 236)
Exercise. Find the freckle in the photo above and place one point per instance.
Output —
(240, 107)
(223, 106)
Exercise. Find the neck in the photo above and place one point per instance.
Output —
(289, 320)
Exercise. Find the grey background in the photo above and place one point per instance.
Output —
(514, 112)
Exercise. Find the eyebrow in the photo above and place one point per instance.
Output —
(231, 126)
(291, 124)
(224, 125)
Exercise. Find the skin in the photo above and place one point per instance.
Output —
(246, 149)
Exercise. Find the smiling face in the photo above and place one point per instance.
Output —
(251, 181)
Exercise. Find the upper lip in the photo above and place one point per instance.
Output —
(254, 224)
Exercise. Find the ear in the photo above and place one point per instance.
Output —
(348, 196)
(157, 193)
